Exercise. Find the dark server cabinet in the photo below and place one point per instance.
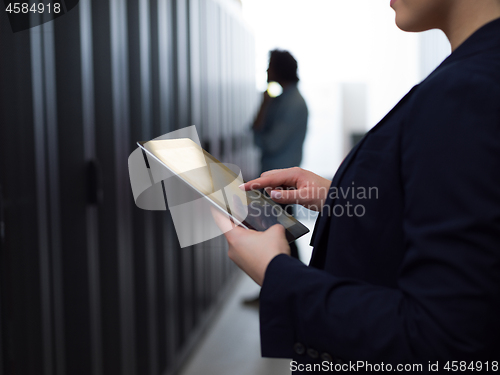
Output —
(23, 254)
(89, 283)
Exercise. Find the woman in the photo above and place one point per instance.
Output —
(415, 279)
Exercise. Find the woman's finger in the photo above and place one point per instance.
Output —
(282, 177)
(226, 224)
(222, 220)
(272, 171)
(286, 196)
(278, 230)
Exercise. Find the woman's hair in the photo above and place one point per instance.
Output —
(284, 65)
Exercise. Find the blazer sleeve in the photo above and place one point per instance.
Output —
(447, 303)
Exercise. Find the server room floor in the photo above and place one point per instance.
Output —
(232, 345)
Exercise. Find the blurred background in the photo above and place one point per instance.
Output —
(90, 284)
(354, 65)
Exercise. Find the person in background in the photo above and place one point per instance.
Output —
(281, 123)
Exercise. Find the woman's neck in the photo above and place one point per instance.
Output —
(466, 19)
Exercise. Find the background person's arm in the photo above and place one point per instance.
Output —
(261, 115)
(288, 123)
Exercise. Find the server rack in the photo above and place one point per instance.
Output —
(90, 284)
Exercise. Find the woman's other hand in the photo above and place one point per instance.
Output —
(252, 251)
(292, 186)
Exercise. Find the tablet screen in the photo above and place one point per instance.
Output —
(220, 185)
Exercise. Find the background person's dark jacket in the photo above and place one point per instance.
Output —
(417, 278)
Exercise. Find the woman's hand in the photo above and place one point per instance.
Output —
(252, 251)
(308, 189)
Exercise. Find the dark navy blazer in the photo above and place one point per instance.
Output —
(414, 274)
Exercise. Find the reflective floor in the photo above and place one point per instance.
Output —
(232, 345)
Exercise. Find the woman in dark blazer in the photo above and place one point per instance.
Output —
(413, 276)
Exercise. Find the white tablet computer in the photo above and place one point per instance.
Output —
(205, 176)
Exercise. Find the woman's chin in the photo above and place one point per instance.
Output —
(409, 26)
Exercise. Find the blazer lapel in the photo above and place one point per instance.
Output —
(484, 38)
(321, 223)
